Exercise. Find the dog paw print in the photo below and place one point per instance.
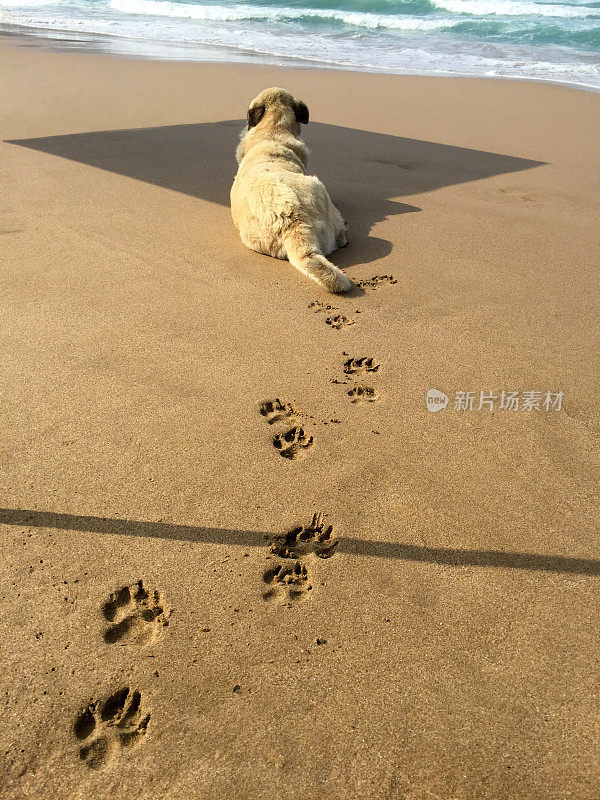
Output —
(136, 615)
(286, 582)
(293, 442)
(106, 728)
(315, 538)
(275, 410)
(338, 322)
(319, 306)
(361, 393)
(376, 281)
(360, 365)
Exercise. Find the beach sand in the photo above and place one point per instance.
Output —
(447, 648)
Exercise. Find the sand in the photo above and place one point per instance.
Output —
(435, 634)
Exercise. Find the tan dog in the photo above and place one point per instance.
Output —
(277, 208)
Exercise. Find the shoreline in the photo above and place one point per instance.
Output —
(40, 38)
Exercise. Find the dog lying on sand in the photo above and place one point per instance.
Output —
(277, 208)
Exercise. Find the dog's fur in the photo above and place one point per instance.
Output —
(277, 208)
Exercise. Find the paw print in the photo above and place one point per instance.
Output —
(104, 729)
(293, 442)
(318, 305)
(339, 321)
(286, 582)
(316, 538)
(358, 365)
(376, 281)
(136, 615)
(275, 410)
(362, 393)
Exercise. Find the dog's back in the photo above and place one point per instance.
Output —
(277, 208)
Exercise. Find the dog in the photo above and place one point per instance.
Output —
(277, 208)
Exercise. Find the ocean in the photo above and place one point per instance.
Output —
(526, 39)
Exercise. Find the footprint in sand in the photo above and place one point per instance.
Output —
(106, 728)
(318, 306)
(335, 321)
(136, 615)
(315, 538)
(275, 410)
(293, 442)
(289, 579)
(376, 281)
(286, 582)
(338, 322)
(361, 393)
(360, 365)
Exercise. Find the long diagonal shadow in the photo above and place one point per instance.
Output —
(356, 547)
(364, 171)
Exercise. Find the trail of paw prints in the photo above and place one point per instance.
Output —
(292, 441)
(376, 281)
(106, 728)
(289, 580)
(136, 615)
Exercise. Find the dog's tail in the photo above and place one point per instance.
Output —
(304, 254)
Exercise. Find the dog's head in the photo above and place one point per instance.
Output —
(277, 109)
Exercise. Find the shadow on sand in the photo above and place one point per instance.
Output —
(356, 547)
(363, 171)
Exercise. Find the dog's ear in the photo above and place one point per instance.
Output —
(255, 114)
(301, 110)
